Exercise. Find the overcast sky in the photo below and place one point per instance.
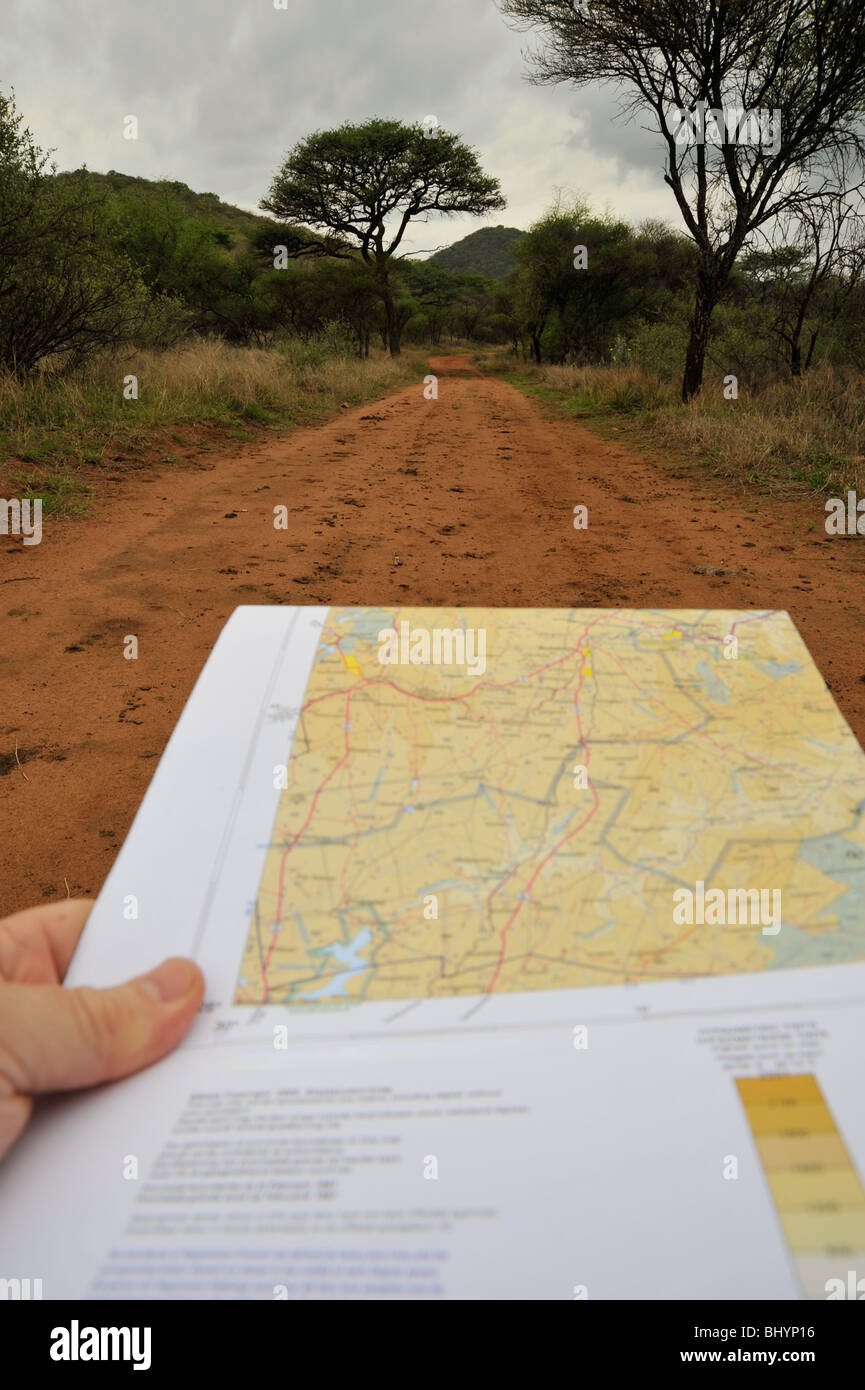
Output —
(223, 88)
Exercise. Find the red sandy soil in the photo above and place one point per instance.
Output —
(467, 499)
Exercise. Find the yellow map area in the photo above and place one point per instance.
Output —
(524, 824)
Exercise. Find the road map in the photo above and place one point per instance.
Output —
(494, 800)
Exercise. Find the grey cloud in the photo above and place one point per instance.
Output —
(223, 88)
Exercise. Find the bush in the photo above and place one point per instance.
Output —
(64, 289)
(658, 347)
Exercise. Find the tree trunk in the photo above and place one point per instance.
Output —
(392, 330)
(536, 347)
(796, 339)
(708, 290)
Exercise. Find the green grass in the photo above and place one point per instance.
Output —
(59, 425)
(63, 494)
(806, 435)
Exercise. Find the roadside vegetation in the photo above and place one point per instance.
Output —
(782, 436)
(62, 435)
(142, 322)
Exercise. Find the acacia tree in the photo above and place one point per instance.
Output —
(435, 289)
(545, 255)
(809, 271)
(803, 59)
(361, 186)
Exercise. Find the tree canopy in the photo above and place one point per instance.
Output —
(796, 66)
(361, 186)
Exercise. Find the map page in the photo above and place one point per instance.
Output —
(489, 800)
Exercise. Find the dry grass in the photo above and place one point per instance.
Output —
(788, 435)
(66, 427)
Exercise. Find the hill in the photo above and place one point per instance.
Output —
(484, 252)
(220, 216)
(225, 224)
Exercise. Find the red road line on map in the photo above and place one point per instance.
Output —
(297, 836)
(505, 685)
(450, 699)
(691, 728)
(547, 857)
(554, 851)
(426, 699)
(588, 756)
(504, 880)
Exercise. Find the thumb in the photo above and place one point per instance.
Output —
(55, 1039)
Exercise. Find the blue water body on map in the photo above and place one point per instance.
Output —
(647, 710)
(364, 626)
(779, 669)
(341, 953)
(843, 861)
(375, 786)
(715, 688)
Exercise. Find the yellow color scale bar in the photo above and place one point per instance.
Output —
(817, 1192)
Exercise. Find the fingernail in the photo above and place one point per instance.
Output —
(169, 981)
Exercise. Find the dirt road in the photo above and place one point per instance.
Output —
(464, 499)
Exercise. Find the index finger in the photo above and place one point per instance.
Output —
(57, 926)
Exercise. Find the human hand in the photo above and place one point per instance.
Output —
(55, 1039)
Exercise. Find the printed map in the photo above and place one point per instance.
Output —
(524, 824)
